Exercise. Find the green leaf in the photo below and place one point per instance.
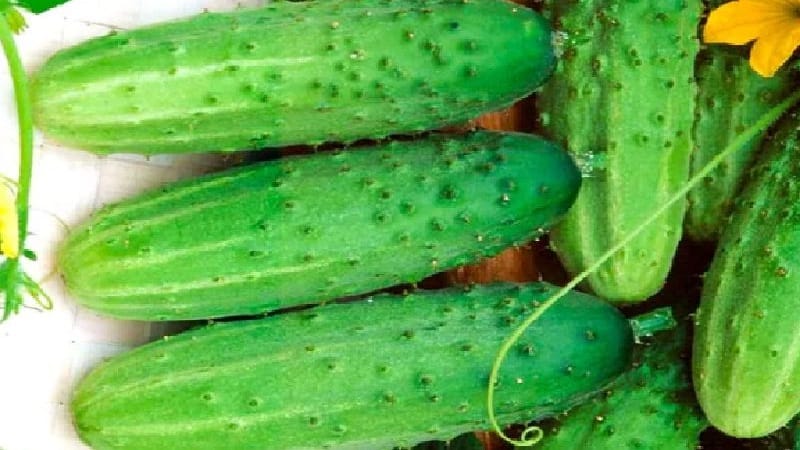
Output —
(31, 255)
(39, 6)
(15, 20)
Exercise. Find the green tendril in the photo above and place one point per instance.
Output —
(534, 434)
(15, 284)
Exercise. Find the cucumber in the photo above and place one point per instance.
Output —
(315, 228)
(391, 371)
(622, 101)
(651, 407)
(797, 434)
(747, 339)
(730, 97)
(292, 73)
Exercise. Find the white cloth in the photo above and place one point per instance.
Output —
(43, 354)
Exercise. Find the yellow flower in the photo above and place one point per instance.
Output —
(9, 224)
(774, 25)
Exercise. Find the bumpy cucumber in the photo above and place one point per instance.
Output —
(747, 342)
(622, 100)
(730, 97)
(315, 228)
(392, 371)
(651, 407)
(293, 73)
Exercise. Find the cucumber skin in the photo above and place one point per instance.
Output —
(292, 73)
(746, 361)
(623, 95)
(396, 371)
(316, 228)
(650, 407)
(731, 96)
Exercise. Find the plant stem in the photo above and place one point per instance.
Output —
(650, 323)
(25, 117)
(17, 283)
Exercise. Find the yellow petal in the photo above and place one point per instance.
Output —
(9, 225)
(742, 21)
(772, 50)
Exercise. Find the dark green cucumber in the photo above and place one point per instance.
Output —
(731, 96)
(315, 228)
(747, 339)
(651, 407)
(622, 100)
(797, 434)
(466, 441)
(391, 371)
(293, 73)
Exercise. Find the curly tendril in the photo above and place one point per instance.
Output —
(533, 434)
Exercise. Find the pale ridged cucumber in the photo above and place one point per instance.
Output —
(622, 99)
(731, 96)
(292, 73)
(315, 228)
(391, 371)
(747, 340)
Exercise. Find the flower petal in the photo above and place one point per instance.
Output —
(742, 21)
(9, 226)
(772, 50)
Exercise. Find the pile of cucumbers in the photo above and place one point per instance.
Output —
(629, 107)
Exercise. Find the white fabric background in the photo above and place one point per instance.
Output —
(43, 354)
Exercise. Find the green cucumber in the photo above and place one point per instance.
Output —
(622, 101)
(797, 434)
(293, 73)
(731, 96)
(391, 371)
(651, 407)
(747, 339)
(315, 228)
